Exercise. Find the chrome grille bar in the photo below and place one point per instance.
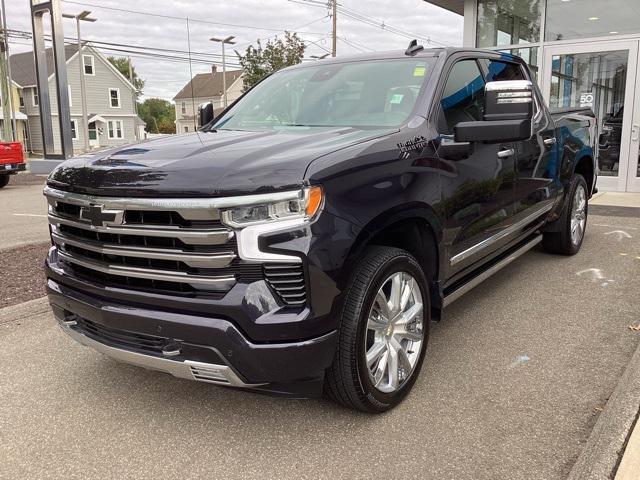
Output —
(223, 282)
(190, 259)
(188, 236)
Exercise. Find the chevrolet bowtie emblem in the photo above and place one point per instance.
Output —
(100, 217)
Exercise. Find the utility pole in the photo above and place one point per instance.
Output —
(334, 5)
(228, 41)
(7, 104)
(135, 101)
(82, 16)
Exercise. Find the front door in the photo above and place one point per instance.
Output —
(94, 140)
(601, 76)
(479, 186)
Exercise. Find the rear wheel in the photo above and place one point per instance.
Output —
(4, 180)
(573, 222)
(383, 334)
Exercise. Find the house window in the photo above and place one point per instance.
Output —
(87, 62)
(74, 129)
(34, 97)
(184, 108)
(115, 129)
(185, 129)
(21, 101)
(114, 97)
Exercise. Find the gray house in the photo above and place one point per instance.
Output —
(110, 100)
(205, 87)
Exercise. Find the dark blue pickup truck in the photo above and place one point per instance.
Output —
(302, 241)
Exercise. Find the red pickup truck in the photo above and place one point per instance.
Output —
(11, 161)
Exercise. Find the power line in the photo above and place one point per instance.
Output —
(172, 17)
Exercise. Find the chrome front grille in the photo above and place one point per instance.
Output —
(167, 244)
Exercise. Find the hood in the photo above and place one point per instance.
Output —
(208, 164)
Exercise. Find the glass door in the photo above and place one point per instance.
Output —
(600, 76)
(633, 174)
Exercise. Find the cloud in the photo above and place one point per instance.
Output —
(168, 30)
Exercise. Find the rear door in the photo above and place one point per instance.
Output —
(537, 165)
(478, 188)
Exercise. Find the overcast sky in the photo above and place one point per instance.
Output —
(248, 20)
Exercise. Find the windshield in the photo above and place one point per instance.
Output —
(357, 94)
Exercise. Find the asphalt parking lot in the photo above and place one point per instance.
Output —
(515, 377)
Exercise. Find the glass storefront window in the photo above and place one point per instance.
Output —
(529, 55)
(594, 80)
(508, 22)
(569, 19)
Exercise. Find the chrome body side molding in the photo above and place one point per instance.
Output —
(456, 294)
(501, 235)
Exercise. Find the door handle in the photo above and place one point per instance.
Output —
(635, 129)
(506, 153)
(550, 141)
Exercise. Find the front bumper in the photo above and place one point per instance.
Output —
(12, 167)
(198, 348)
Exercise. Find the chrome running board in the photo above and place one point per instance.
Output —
(474, 282)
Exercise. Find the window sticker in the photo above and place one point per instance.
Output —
(396, 98)
(419, 71)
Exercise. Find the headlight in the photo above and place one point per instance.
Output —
(303, 204)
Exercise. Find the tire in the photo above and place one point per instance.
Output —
(4, 180)
(573, 219)
(349, 380)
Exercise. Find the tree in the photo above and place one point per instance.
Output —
(158, 114)
(122, 64)
(276, 54)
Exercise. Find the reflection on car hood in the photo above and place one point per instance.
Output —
(206, 163)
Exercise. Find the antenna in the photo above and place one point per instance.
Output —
(413, 48)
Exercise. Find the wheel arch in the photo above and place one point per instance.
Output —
(585, 166)
(415, 228)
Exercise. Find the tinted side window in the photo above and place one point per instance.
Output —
(499, 71)
(463, 96)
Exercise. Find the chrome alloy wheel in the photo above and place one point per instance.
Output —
(578, 215)
(395, 332)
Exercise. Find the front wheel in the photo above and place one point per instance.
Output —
(573, 221)
(383, 333)
(4, 180)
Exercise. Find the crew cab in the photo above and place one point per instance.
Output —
(302, 241)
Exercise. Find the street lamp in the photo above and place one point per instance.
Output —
(228, 41)
(82, 17)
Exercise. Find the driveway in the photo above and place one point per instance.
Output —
(515, 377)
(23, 215)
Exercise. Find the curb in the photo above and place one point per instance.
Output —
(24, 310)
(601, 454)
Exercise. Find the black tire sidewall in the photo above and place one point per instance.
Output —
(401, 263)
(4, 179)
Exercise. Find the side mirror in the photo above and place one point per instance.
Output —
(508, 114)
(205, 112)
(508, 100)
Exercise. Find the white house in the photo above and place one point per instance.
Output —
(110, 100)
(205, 87)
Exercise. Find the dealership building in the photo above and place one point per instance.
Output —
(584, 53)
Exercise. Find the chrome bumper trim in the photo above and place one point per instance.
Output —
(223, 282)
(201, 372)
